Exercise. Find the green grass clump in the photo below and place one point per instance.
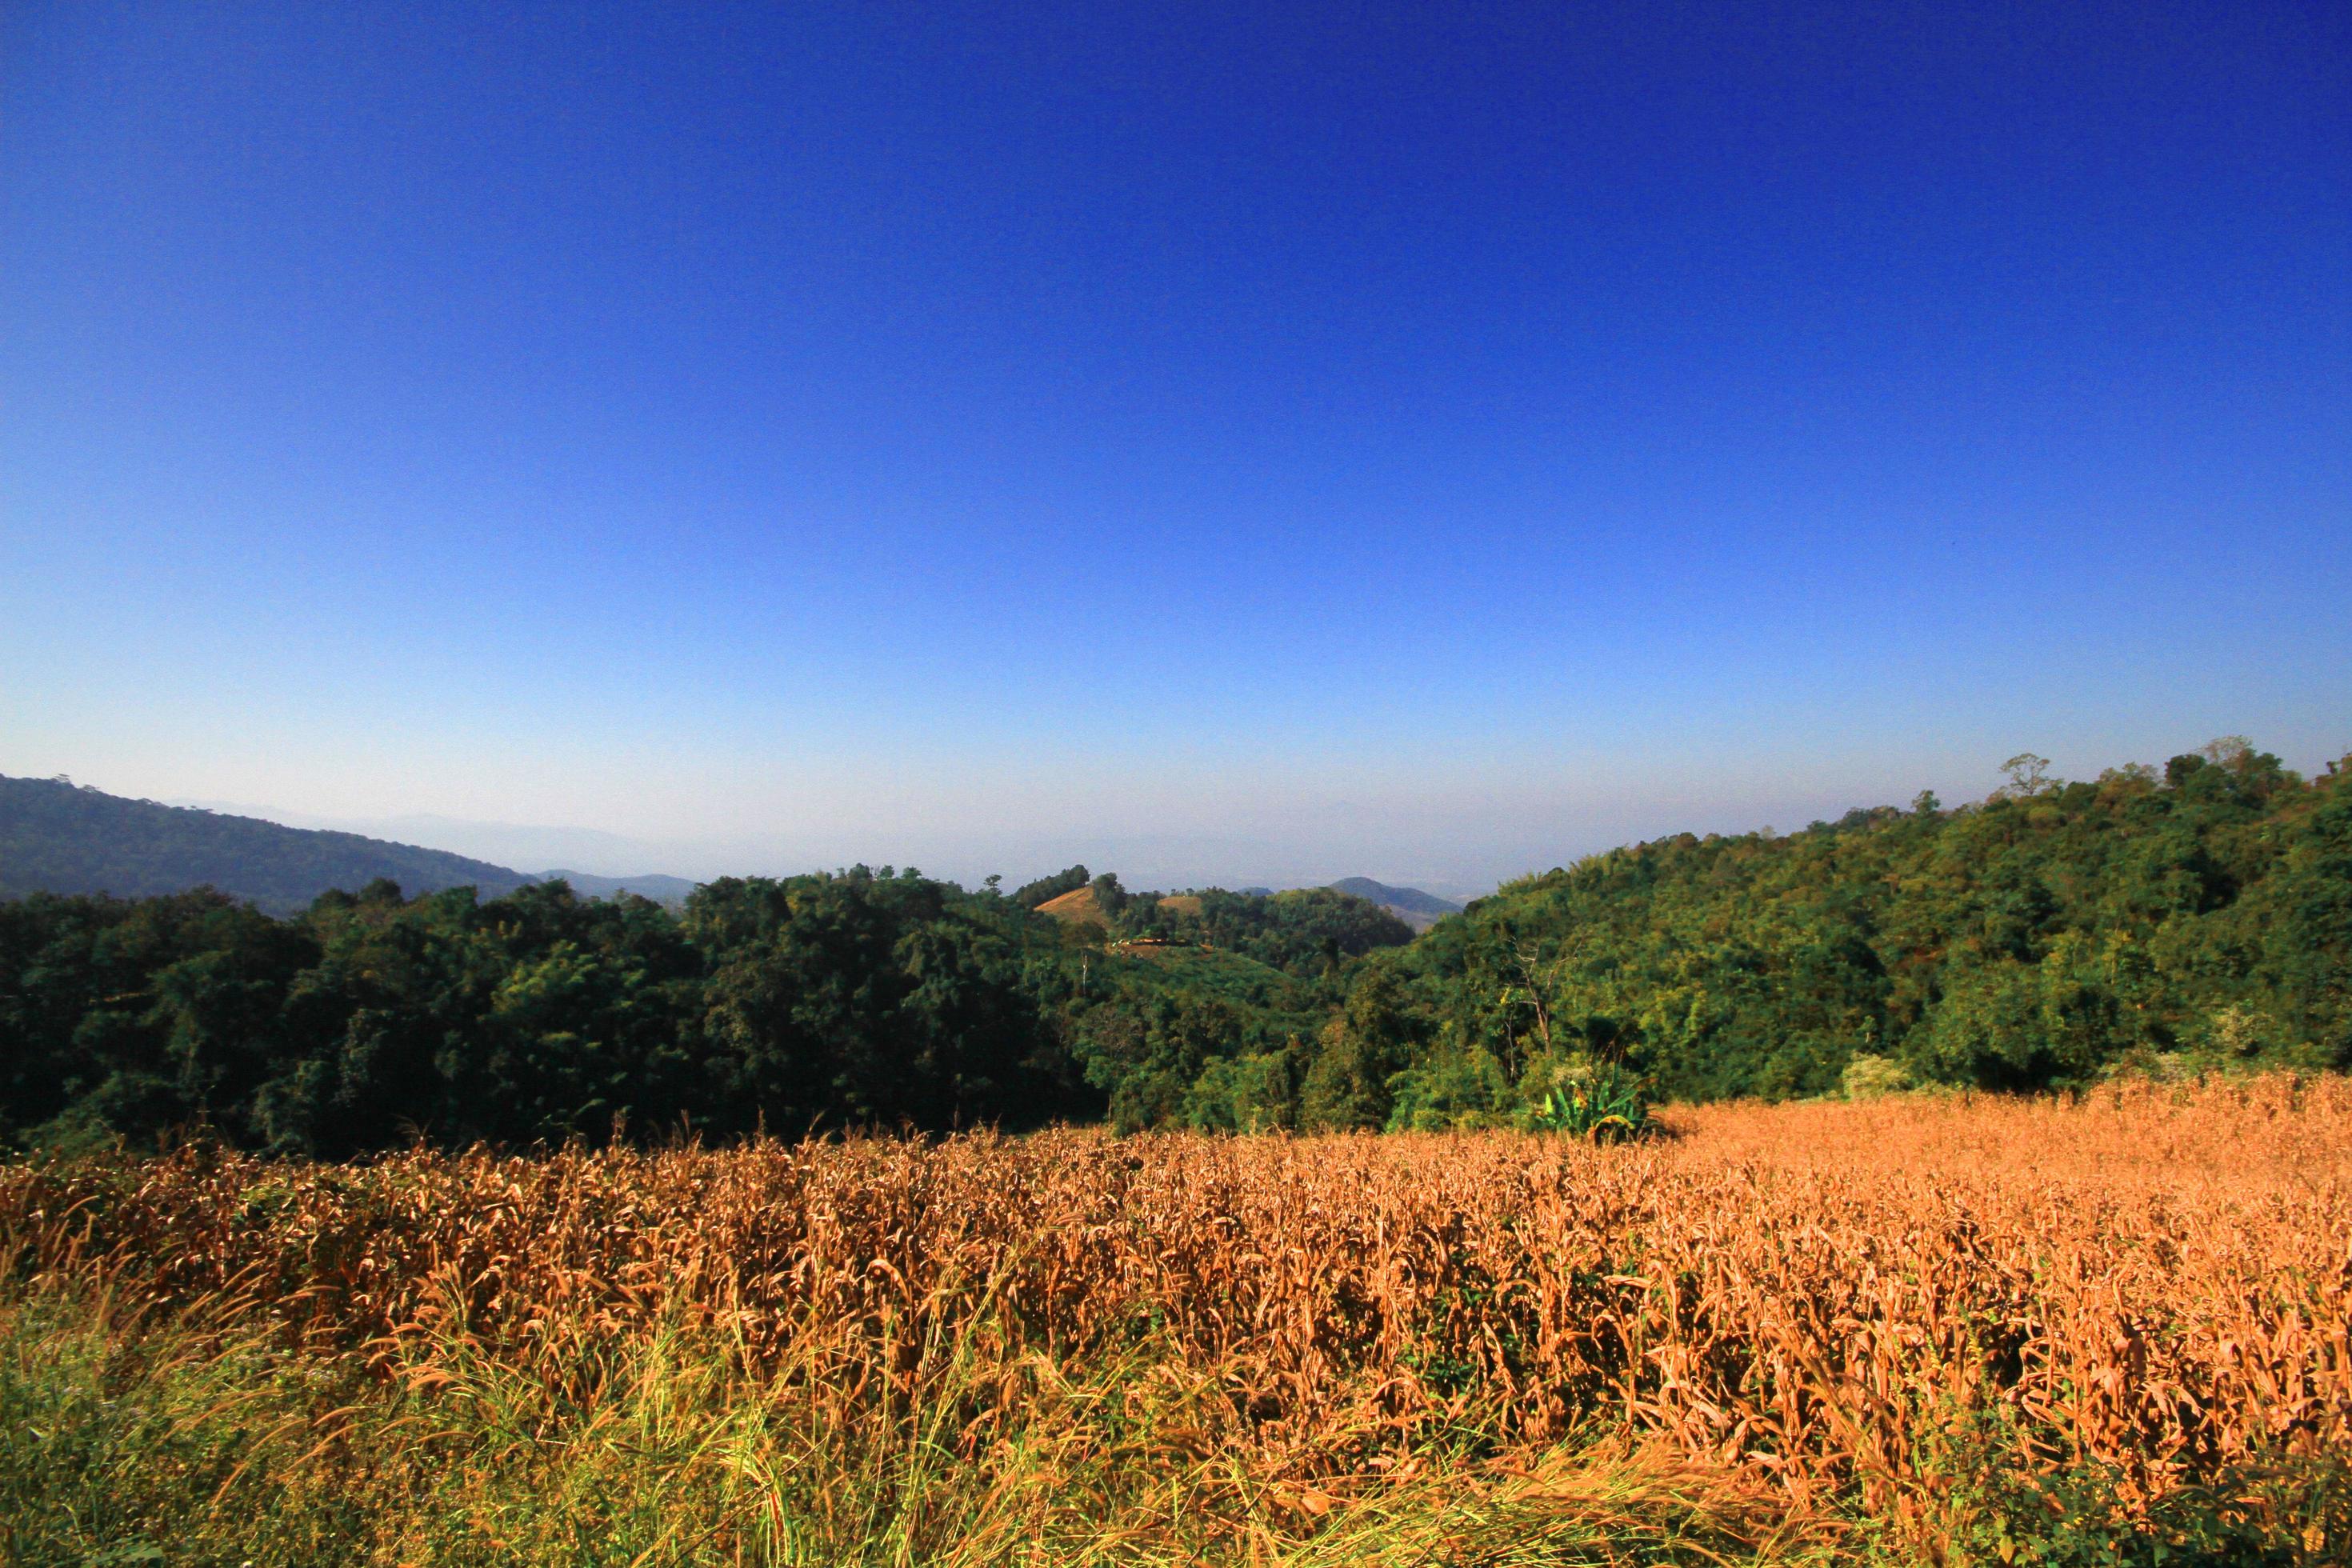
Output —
(125, 1440)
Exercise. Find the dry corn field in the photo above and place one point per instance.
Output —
(1800, 1304)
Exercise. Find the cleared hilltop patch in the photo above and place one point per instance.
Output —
(1078, 908)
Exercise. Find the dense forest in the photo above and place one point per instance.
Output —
(862, 997)
(2195, 915)
(2198, 913)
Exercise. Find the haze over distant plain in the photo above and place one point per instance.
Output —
(1237, 444)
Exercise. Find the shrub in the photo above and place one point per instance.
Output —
(1871, 1076)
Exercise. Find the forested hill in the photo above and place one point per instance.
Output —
(1416, 908)
(2198, 913)
(60, 837)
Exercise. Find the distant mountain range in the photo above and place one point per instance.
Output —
(588, 885)
(58, 836)
(1418, 909)
(498, 842)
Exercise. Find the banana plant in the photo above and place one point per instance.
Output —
(1609, 1106)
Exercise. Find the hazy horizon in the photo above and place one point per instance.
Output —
(1395, 853)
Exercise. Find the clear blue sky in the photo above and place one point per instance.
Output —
(1431, 441)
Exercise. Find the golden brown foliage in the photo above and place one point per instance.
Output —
(2155, 1276)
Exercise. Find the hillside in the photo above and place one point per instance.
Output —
(1300, 931)
(59, 837)
(1274, 998)
(1418, 909)
(2201, 913)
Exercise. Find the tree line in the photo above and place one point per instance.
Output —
(860, 998)
(2193, 915)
